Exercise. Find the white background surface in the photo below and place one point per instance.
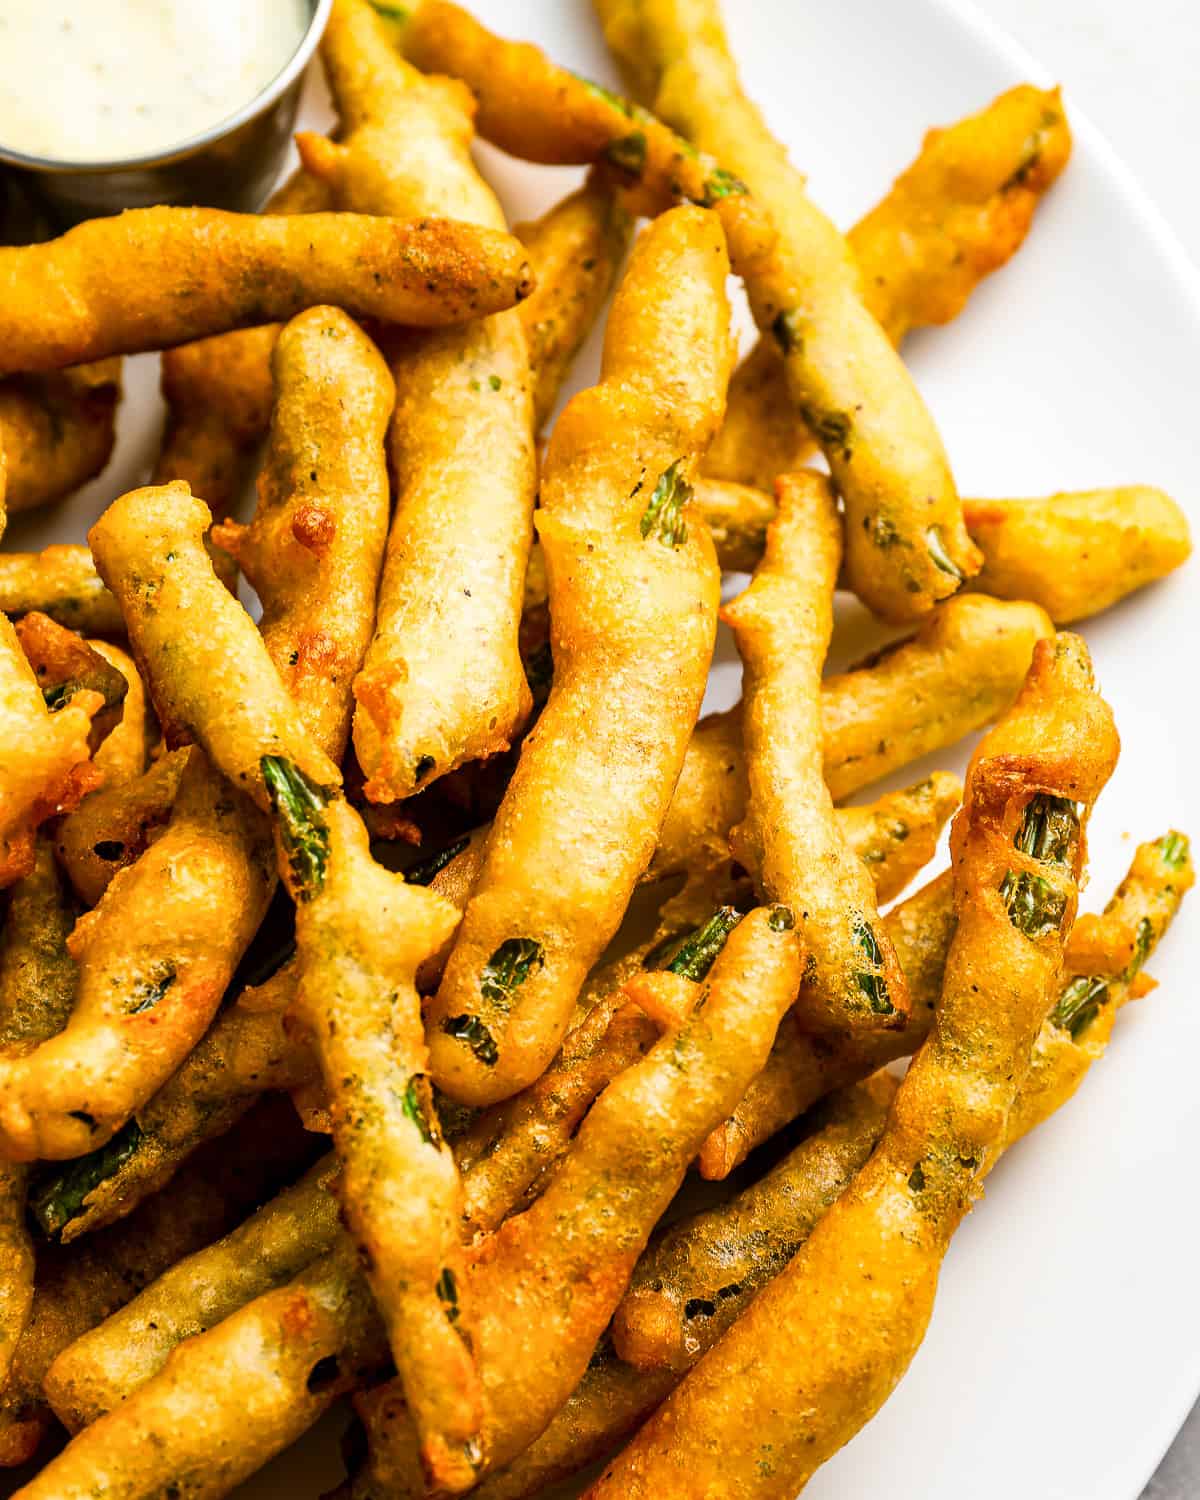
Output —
(1134, 68)
(1134, 65)
(1065, 1347)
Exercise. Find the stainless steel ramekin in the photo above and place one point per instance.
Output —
(233, 165)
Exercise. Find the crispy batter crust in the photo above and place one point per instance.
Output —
(60, 305)
(633, 597)
(790, 838)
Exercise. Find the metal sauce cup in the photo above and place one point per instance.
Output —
(233, 165)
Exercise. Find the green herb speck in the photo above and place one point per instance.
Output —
(470, 1029)
(693, 954)
(871, 983)
(936, 545)
(663, 517)
(57, 1197)
(298, 802)
(417, 1104)
(1034, 906)
(1079, 1004)
(1174, 848)
(509, 967)
(722, 184)
(628, 154)
(146, 993)
(1049, 830)
(424, 870)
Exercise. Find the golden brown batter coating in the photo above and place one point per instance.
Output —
(314, 548)
(822, 1346)
(442, 683)
(45, 767)
(154, 959)
(58, 431)
(63, 583)
(906, 544)
(546, 1283)
(37, 990)
(633, 596)
(60, 304)
(149, 547)
(790, 839)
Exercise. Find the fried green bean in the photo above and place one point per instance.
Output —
(154, 960)
(799, 1070)
(112, 827)
(109, 829)
(896, 835)
(361, 933)
(37, 990)
(59, 305)
(102, 1368)
(123, 754)
(62, 582)
(694, 1281)
(323, 851)
(957, 673)
(58, 431)
(534, 109)
(65, 665)
(149, 548)
(906, 544)
(823, 1345)
(352, 968)
(1072, 554)
(958, 213)
(442, 683)
(633, 597)
(1076, 554)
(245, 1052)
(1103, 968)
(790, 839)
(314, 548)
(576, 249)
(546, 1283)
(259, 1379)
(77, 1288)
(46, 768)
(803, 1068)
(219, 392)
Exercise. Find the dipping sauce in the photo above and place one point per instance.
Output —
(105, 80)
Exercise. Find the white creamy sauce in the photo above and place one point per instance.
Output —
(99, 80)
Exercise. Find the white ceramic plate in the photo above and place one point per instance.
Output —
(1065, 1347)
